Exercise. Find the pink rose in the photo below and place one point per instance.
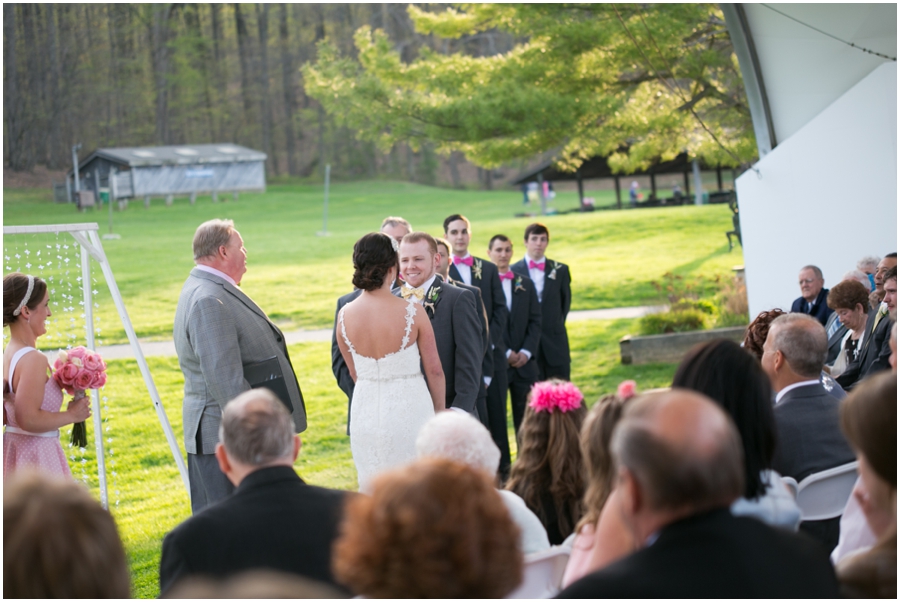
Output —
(98, 380)
(66, 375)
(93, 362)
(627, 389)
(83, 380)
(80, 352)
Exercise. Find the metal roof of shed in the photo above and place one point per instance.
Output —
(598, 167)
(189, 154)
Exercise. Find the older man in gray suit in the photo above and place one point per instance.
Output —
(219, 332)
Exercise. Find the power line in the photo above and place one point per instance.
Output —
(834, 37)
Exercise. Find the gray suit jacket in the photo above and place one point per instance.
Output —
(458, 335)
(218, 329)
(809, 434)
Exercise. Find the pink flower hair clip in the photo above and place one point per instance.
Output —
(548, 395)
(627, 389)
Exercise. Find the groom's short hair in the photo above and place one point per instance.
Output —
(210, 236)
(414, 237)
(256, 428)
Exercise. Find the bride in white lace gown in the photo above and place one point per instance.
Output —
(383, 339)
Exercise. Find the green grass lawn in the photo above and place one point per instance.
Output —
(296, 276)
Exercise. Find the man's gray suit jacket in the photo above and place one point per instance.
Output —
(459, 339)
(219, 329)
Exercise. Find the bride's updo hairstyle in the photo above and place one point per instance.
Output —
(373, 255)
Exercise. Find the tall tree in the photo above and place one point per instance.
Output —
(287, 86)
(240, 25)
(55, 144)
(159, 35)
(17, 155)
(262, 24)
(638, 82)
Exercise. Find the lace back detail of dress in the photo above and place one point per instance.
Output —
(410, 318)
(344, 332)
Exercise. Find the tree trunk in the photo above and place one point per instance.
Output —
(453, 161)
(11, 101)
(244, 55)
(220, 74)
(262, 23)
(31, 110)
(159, 34)
(56, 145)
(287, 84)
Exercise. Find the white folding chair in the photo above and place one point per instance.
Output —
(823, 495)
(543, 573)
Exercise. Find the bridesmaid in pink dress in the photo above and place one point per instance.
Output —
(31, 410)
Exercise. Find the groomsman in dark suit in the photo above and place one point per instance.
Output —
(553, 284)
(487, 365)
(523, 335)
(396, 228)
(453, 316)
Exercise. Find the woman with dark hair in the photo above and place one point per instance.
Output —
(850, 301)
(31, 399)
(732, 378)
(433, 529)
(549, 471)
(391, 400)
(869, 421)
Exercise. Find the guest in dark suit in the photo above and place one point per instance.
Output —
(396, 228)
(812, 295)
(875, 354)
(487, 364)
(806, 415)
(273, 520)
(680, 468)
(523, 335)
(454, 317)
(553, 284)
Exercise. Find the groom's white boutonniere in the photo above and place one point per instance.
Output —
(476, 269)
(552, 275)
(429, 301)
(519, 286)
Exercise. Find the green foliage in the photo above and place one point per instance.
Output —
(584, 80)
(681, 320)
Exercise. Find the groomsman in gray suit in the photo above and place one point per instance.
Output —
(453, 315)
(219, 331)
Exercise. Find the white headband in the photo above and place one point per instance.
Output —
(27, 296)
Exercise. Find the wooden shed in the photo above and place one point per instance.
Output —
(169, 171)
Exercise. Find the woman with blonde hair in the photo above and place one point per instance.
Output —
(549, 471)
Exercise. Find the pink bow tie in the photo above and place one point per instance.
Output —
(507, 276)
(533, 265)
(467, 260)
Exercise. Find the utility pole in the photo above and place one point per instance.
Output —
(75, 149)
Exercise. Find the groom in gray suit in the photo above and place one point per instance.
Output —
(454, 318)
(218, 331)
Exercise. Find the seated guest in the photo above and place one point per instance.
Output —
(58, 542)
(850, 301)
(733, 379)
(601, 537)
(755, 338)
(869, 419)
(679, 470)
(273, 520)
(887, 262)
(253, 585)
(462, 438)
(548, 474)
(812, 295)
(867, 265)
(806, 415)
(833, 327)
(432, 529)
(875, 353)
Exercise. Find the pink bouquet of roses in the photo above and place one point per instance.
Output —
(76, 371)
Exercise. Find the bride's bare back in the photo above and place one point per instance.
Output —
(376, 324)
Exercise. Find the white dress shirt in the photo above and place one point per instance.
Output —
(425, 286)
(536, 275)
(215, 272)
(465, 272)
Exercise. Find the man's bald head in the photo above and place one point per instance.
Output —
(682, 449)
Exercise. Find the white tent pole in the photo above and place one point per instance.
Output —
(139, 356)
(95, 396)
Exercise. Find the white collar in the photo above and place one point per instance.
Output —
(215, 272)
(802, 383)
(530, 258)
(425, 285)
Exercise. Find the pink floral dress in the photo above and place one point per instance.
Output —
(40, 451)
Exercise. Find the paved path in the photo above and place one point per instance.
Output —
(167, 348)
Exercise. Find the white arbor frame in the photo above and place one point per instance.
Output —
(89, 241)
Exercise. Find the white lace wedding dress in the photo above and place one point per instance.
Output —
(390, 404)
